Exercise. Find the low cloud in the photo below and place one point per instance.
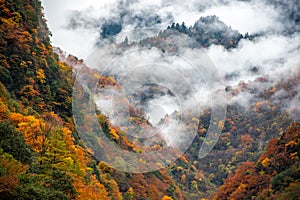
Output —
(273, 53)
(72, 22)
(269, 55)
(250, 16)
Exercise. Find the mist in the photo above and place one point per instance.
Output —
(93, 33)
(77, 27)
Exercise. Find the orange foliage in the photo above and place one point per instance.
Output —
(114, 134)
(10, 169)
(167, 198)
(111, 185)
(93, 190)
(8, 183)
(257, 180)
(184, 159)
(33, 129)
(243, 184)
(257, 106)
(265, 162)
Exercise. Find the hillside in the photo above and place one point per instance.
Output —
(41, 154)
(275, 175)
(46, 152)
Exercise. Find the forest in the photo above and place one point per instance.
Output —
(42, 156)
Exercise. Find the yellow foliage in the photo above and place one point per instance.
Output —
(159, 165)
(15, 19)
(111, 80)
(195, 120)
(265, 162)
(211, 176)
(114, 134)
(261, 172)
(80, 156)
(242, 186)
(130, 191)
(179, 168)
(202, 130)
(40, 74)
(15, 117)
(221, 124)
(167, 198)
(96, 76)
(23, 64)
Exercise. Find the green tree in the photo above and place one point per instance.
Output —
(12, 142)
(32, 187)
(61, 181)
(57, 155)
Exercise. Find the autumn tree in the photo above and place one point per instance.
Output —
(12, 142)
(9, 171)
(58, 154)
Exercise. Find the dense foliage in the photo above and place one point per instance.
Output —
(275, 175)
(42, 156)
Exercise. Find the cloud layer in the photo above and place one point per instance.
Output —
(275, 52)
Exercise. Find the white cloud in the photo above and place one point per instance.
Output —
(271, 54)
(76, 42)
(252, 17)
(246, 16)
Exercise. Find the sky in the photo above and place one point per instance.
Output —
(78, 43)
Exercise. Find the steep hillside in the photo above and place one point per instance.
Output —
(275, 175)
(29, 69)
(248, 128)
(42, 156)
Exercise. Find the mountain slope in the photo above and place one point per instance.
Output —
(275, 175)
(43, 157)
